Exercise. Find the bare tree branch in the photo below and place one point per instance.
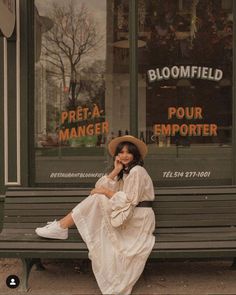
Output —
(73, 36)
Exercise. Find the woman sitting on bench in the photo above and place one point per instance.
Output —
(116, 220)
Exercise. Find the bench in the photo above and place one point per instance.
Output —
(190, 223)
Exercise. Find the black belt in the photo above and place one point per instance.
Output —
(145, 204)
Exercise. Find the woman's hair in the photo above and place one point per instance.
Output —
(137, 160)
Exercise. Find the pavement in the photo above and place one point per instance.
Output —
(74, 277)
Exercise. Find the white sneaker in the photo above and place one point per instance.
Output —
(52, 230)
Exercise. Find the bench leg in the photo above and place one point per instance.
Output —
(233, 266)
(38, 264)
(27, 266)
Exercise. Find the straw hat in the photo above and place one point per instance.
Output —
(142, 147)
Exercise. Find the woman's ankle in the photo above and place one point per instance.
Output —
(62, 224)
(66, 221)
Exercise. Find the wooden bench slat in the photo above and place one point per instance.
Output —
(23, 231)
(196, 245)
(224, 189)
(160, 198)
(195, 210)
(51, 203)
(65, 208)
(15, 225)
(196, 190)
(161, 223)
(196, 223)
(24, 213)
(163, 231)
(206, 229)
(197, 237)
(35, 200)
(83, 253)
(32, 237)
(195, 204)
(34, 245)
(75, 237)
(39, 206)
(199, 216)
(176, 198)
(48, 254)
(193, 253)
(168, 213)
(48, 193)
(161, 220)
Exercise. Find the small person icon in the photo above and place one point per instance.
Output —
(12, 281)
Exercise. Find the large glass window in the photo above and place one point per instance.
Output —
(185, 90)
(185, 82)
(81, 86)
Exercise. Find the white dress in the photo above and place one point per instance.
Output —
(119, 236)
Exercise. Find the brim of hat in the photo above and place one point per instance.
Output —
(142, 147)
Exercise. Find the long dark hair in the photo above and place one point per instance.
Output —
(137, 160)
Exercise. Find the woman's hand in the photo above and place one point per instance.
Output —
(102, 190)
(118, 164)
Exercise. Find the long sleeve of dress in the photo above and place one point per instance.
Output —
(125, 200)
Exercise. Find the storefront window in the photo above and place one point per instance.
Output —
(81, 87)
(185, 90)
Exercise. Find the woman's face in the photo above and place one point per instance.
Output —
(125, 156)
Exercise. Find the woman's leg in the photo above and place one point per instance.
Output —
(66, 221)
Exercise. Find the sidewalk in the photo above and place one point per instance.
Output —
(65, 277)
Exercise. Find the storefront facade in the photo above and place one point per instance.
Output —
(75, 74)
